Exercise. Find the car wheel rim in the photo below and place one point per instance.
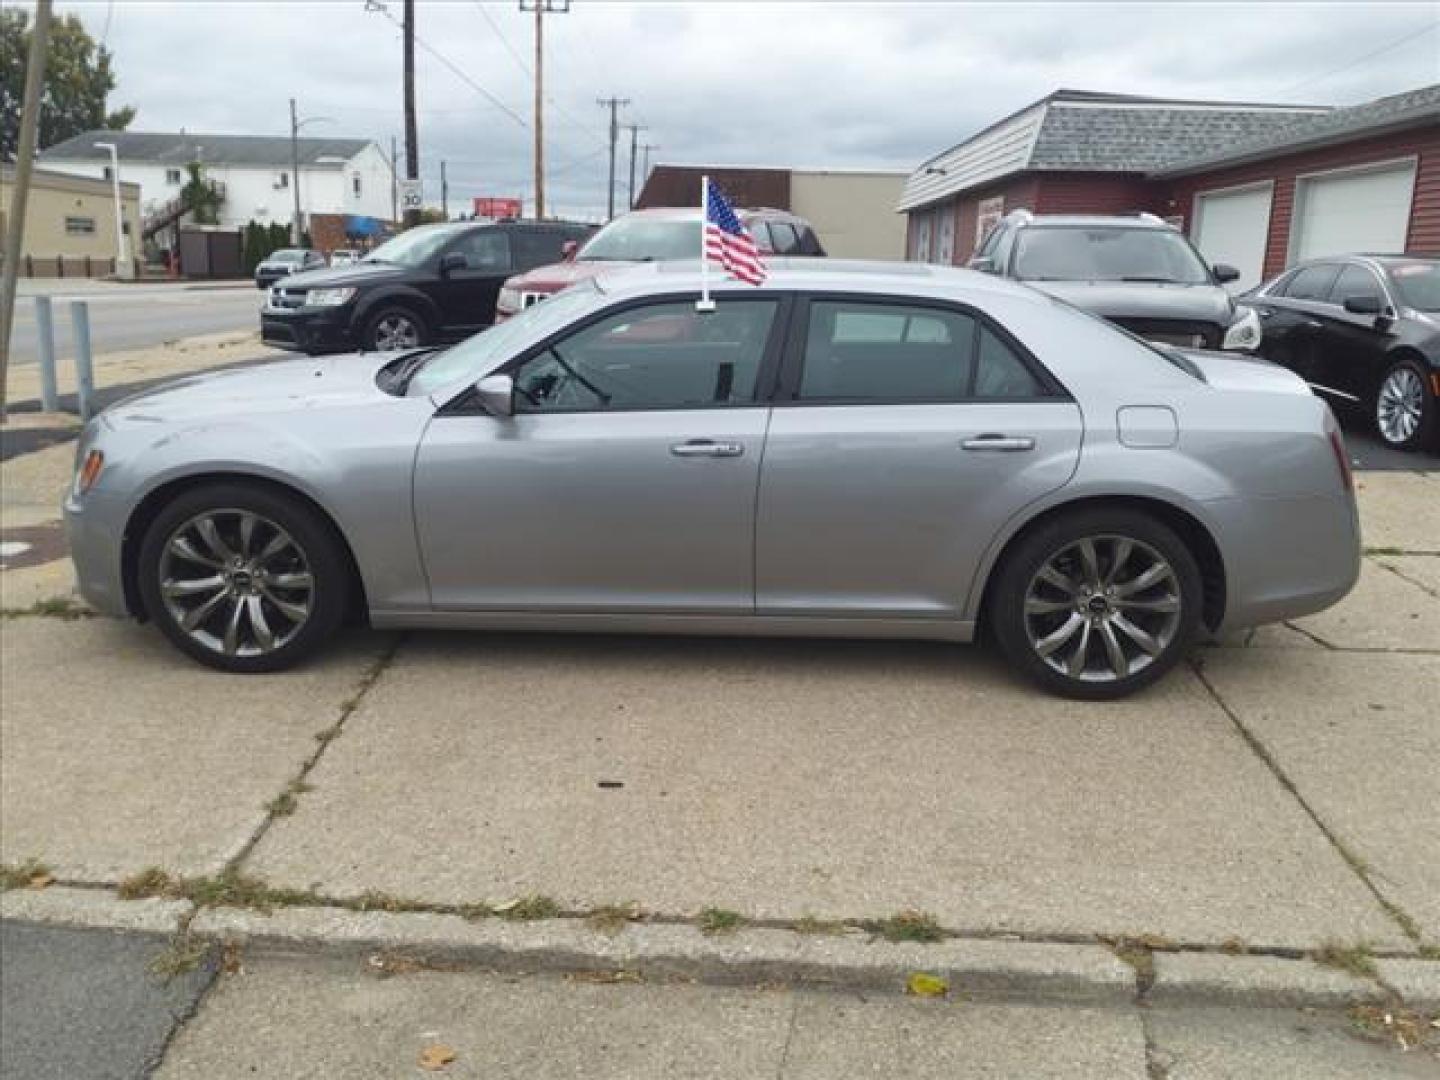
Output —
(1103, 608)
(396, 332)
(236, 583)
(1400, 405)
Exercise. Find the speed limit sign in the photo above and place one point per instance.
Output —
(410, 197)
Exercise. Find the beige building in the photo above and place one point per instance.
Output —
(70, 223)
(852, 210)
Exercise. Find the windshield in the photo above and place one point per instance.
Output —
(287, 255)
(413, 247)
(1107, 254)
(1419, 284)
(639, 239)
(477, 354)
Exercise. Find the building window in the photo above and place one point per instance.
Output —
(355, 184)
(283, 180)
(109, 173)
(79, 226)
(172, 176)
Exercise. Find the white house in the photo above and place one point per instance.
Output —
(336, 176)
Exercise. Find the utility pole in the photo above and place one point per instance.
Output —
(394, 183)
(541, 8)
(645, 149)
(412, 137)
(613, 104)
(444, 193)
(295, 172)
(24, 163)
(635, 130)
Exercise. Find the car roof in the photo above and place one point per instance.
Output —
(1077, 221)
(692, 213)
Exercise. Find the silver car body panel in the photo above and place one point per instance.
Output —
(868, 520)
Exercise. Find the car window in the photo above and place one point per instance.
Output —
(992, 239)
(537, 247)
(809, 242)
(1312, 282)
(1107, 253)
(1004, 243)
(486, 250)
(1355, 281)
(762, 236)
(663, 356)
(999, 371)
(1419, 284)
(876, 351)
(786, 242)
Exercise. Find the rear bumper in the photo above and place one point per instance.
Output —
(1285, 557)
(307, 331)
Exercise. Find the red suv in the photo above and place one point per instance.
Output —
(650, 236)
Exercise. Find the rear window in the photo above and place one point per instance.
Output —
(1418, 284)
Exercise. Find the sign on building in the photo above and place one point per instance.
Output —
(489, 206)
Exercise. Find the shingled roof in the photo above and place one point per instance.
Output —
(1413, 108)
(181, 148)
(1076, 130)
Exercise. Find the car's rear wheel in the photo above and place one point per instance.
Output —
(1404, 407)
(1098, 603)
(395, 328)
(243, 578)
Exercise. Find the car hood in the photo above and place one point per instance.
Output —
(1144, 300)
(356, 274)
(559, 276)
(279, 386)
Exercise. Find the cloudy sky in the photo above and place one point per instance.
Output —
(781, 83)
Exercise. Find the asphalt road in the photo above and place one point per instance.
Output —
(83, 1005)
(136, 316)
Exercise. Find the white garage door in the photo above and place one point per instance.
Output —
(1231, 227)
(1365, 210)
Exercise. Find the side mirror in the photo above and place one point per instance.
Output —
(1363, 305)
(569, 250)
(984, 263)
(497, 395)
(450, 262)
(1224, 272)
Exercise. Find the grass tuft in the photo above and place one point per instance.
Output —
(54, 607)
(612, 918)
(714, 920)
(906, 926)
(529, 908)
(184, 954)
(23, 874)
(149, 882)
(1358, 960)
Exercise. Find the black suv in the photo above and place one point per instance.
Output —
(1135, 270)
(430, 283)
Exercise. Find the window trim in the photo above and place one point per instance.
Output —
(467, 402)
(787, 389)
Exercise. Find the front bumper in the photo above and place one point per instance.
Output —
(321, 330)
(95, 530)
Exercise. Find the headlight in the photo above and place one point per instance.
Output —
(509, 300)
(89, 471)
(1244, 332)
(328, 297)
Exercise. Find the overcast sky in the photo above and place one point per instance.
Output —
(784, 83)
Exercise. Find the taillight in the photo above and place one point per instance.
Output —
(1342, 459)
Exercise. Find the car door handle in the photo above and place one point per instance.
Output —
(1000, 444)
(707, 448)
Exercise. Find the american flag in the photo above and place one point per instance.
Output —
(727, 242)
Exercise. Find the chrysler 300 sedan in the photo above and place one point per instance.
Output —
(853, 449)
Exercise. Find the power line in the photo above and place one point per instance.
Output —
(1409, 38)
(529, 72)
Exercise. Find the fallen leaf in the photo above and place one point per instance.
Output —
(923, 985)
(42, 881)
(435, 1057)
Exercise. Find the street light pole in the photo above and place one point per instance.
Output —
(122, 247)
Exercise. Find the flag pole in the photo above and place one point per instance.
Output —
(704, 303)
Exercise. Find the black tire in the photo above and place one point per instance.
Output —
(314, 550)
(1105, 527)
(1413, 373)
(374, 337)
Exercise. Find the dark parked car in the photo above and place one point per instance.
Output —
(283, 263)
(430, 283)
(1136, 270)
(1364, 332)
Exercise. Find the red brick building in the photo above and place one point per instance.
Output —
(1258, 186)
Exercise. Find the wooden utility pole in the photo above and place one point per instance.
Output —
(541, 8)
(24, 164)
(412, 136)
(394, 182)
(645, 149)
(613, 104)
(295, 172)
(635, 130)
(444, 193)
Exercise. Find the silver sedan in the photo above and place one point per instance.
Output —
(861, 450)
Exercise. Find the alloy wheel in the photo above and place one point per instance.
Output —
(1400, 405)
(1103, 608)
(236, 583)
(395, 332)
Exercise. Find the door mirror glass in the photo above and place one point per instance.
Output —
(1224, 272)
(984, 263)
(497, 394)
(1363, 305)
(450, 262)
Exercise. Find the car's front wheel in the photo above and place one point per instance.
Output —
(1098, 603)
(1405, 409)
(394, 328)
(243, 578)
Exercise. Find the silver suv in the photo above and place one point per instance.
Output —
(1136, 270)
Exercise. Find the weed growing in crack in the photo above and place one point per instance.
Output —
(149, 882)
(906, 926)
(23, 874)
(612, 918)
(183, 954)
(1357, 960)
(715, 920)
(529, 908)
(55, 607)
